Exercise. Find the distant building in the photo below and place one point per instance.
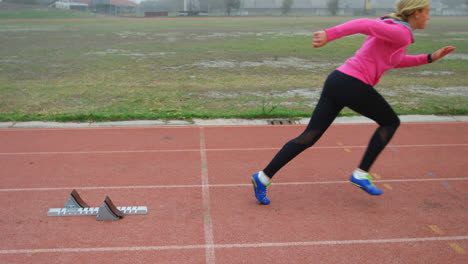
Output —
(70, 4)
(112, 7)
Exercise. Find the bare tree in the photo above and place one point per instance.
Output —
(454, 3)
(209, 5)
(231, 4)
(286, 6)
(150, 5)
(23, 1)
(333, 6)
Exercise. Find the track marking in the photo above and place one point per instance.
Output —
(375, 175)
(196, 150)
(453, 245)
(207, 223)
(457, 248)
(448, 186)
(388, 186)
(436, 229)
(229, 246)
(216, 185)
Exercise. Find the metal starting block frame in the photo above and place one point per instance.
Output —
(75, 206)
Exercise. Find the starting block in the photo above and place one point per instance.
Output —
(75, 201)
(75, 206)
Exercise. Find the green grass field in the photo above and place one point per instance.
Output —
(183, 68)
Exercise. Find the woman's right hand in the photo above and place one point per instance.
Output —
(439, 54)
(320, 39)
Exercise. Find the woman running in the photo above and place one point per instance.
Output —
(352, 84)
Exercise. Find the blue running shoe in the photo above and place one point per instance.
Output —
(366, 185)
(260, 189)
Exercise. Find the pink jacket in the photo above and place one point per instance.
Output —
(385, 48)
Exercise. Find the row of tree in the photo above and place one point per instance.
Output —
(227, 5)
(230, 5)
(176, 5)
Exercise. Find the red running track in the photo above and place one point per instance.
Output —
(195, 182)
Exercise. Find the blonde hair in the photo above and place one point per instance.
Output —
(406, 8)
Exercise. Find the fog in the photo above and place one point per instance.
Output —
(252, 7)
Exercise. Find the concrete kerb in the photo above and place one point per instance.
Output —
(220, 122)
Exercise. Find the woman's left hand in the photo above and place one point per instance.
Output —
(442, 53)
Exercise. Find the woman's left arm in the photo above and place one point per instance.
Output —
(416, 60)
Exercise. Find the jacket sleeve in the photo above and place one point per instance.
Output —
(388, 31)
(412, 61)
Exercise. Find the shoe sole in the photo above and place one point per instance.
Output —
(362, 188)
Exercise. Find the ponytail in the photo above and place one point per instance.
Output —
(406, 8)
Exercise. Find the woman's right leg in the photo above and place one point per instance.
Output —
(325, 112)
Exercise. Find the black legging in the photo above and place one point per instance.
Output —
(342, 90)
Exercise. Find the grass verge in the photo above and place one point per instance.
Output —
(184, 69)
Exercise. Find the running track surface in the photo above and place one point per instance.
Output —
(195, 181)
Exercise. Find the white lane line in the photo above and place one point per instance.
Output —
(102, 188)
(207, 223)
(79, 128)
(214, 149)
(214, 185)
(344, 242)
(230, 246)
(97, 152)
